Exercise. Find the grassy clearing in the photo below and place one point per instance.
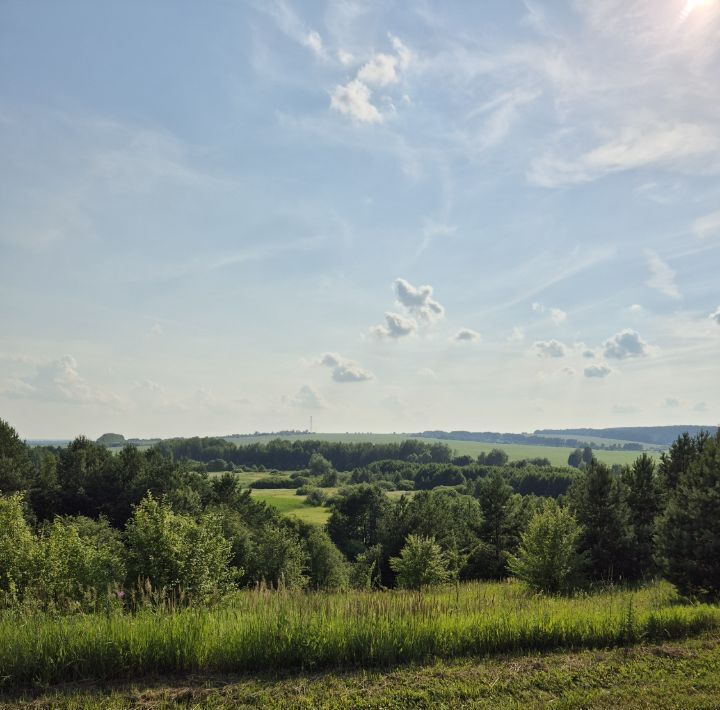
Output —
(557, 455)
(667, 675)
(288, 503)
(262, 630)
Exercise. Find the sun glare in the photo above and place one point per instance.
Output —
(692, 5)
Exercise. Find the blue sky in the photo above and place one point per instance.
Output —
(226, 217)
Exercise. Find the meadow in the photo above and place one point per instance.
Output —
(261, 630)
(285, 501)
(672, 674)
(557, 455)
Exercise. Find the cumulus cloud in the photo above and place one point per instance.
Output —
(307, 398)
(418, 301)
(57, 381)
(396, 326)
(715, 315)
(662, 277)
(626, 344)
(588, 353)
(549, 348)
(598, 371)
(382, 70)
(353, 100)
(344, 370)
(466, 335)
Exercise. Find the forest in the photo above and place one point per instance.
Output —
(120, 537)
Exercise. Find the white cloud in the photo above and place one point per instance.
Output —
(680, 146)
(635, 308)
(625, 409)
(588, 353)
(344, 370)
(466, 335)
(597, 371)
(662, 277)
(418, 301)
(353, 99)
(517, 335)
(379, 71)
(626, 344)
(671, 403)
(307, 398)
(558, 315)
(700, 407)
(344, 57)
(550, 348)
(313, 40)
(715, 315)
(707, 226)
(396, 326)
(57, 381)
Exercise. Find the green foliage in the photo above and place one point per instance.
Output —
(327, 568)
(278, 558)
(358, 515)
(76, 561)
(644, 499)
(16, 470)
(494, 457)
(421, 564)
(548, 559)
(689, 532)
(17, 549)
(575, 458)
(179, 557)
(111, 440)
(499, 531)
(598, 502)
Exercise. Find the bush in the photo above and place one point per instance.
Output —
(276, 482)
(278, 558)
(78, 562)
(315, 496)
(326, 565)
(17, 549)
(180, 558)
(421, 564)
(548, 559)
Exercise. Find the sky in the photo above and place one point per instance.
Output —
(229, 217)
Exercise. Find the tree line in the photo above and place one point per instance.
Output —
(143, 523)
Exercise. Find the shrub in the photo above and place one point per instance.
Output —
(17, 549)
(78, 561)
(179, 557)
(421, 563)
(548, 559)
(327, 567)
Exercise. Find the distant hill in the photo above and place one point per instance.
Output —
(111, 440)
(658, 435)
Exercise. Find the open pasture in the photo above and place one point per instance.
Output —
(557, 455)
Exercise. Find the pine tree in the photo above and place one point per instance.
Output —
(599, 506)
(689, 532)
(644, 501)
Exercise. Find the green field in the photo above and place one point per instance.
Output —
(287, 502)
(680, 674)
(557, 455)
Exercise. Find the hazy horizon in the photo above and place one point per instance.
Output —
(228, 217)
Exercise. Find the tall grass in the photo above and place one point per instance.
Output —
(268, 630)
